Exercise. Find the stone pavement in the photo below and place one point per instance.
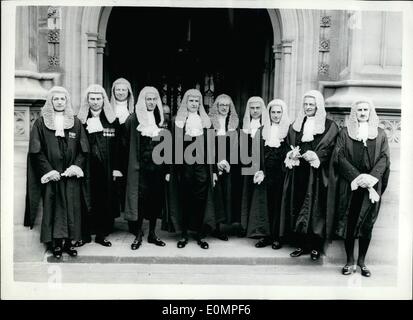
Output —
(236, 262)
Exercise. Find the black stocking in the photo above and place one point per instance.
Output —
(152, 225)
(363, 247)
(349, 246)
(58, 243)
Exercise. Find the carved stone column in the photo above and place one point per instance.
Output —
(100, 50)
(92, 44)
(277, 49)
(53, 38)
(287, 46)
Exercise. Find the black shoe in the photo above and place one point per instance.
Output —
(203, 244)
(103, 242)
(57, 252)
(262, 243)
(276, 245)
(136, 243)
(315, 255)
(297, 252)
(156, 241)
(70, 250)
(220, 235)
(80, 243)
(365, 272)
(182, 243)
(348, 269)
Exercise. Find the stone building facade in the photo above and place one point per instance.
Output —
(342, 53)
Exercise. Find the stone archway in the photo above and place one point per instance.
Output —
(295, 50)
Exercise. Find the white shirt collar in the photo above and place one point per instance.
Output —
(274, 140)
(59, 124)
(255, 124)
(308, 132)
(194, 125)
(222, 121)
(121, 110)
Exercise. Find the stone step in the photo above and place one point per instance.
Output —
(236, 251)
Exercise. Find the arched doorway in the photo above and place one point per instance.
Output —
(174, 49)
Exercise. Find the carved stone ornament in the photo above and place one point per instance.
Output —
(325, 21)
(53, 36)
(392, 129)
(53, 61)
(53, 12)
(323, 68)
(20, 123)
(324, 45)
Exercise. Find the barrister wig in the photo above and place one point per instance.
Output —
(265, 119)
(285, 119)
(182, 113)
(131, 100)
(353, 124)
(142, 111)
(48, 112)
(319, 117)
(233, 120)
(84, 108)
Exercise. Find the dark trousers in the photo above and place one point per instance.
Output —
(194, 191)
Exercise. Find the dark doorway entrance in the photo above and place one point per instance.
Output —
(174, 49)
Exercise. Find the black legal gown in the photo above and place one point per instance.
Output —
(145, 189)
(303, 208)
(122, 156)
(190, 190)
(104, 158)
(350, 214)
(227, 191)
(275, 173)
(64, 201)
(254, 207)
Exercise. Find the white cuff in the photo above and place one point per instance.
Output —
(226, 165)
(78, 172)
(373, 195)
(316, 162)
(259, 177)
(45, 178)
(289, 163)
(371, 180)
(117, 173)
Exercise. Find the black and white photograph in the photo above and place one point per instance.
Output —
(206, 150)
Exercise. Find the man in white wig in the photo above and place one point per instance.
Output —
(225, 121)
(303, 210)
(359, 174)
(275, 150)
(122, 101)
(56, 171)
(98, 118)
(254, 210)
(191, 206)
(145, 180)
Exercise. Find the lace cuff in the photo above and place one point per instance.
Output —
(46, 177)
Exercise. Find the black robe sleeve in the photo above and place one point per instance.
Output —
(36, 151)
(37, 166)
(347, 170)
(324, 150)
(80, 160)
(383, 162)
